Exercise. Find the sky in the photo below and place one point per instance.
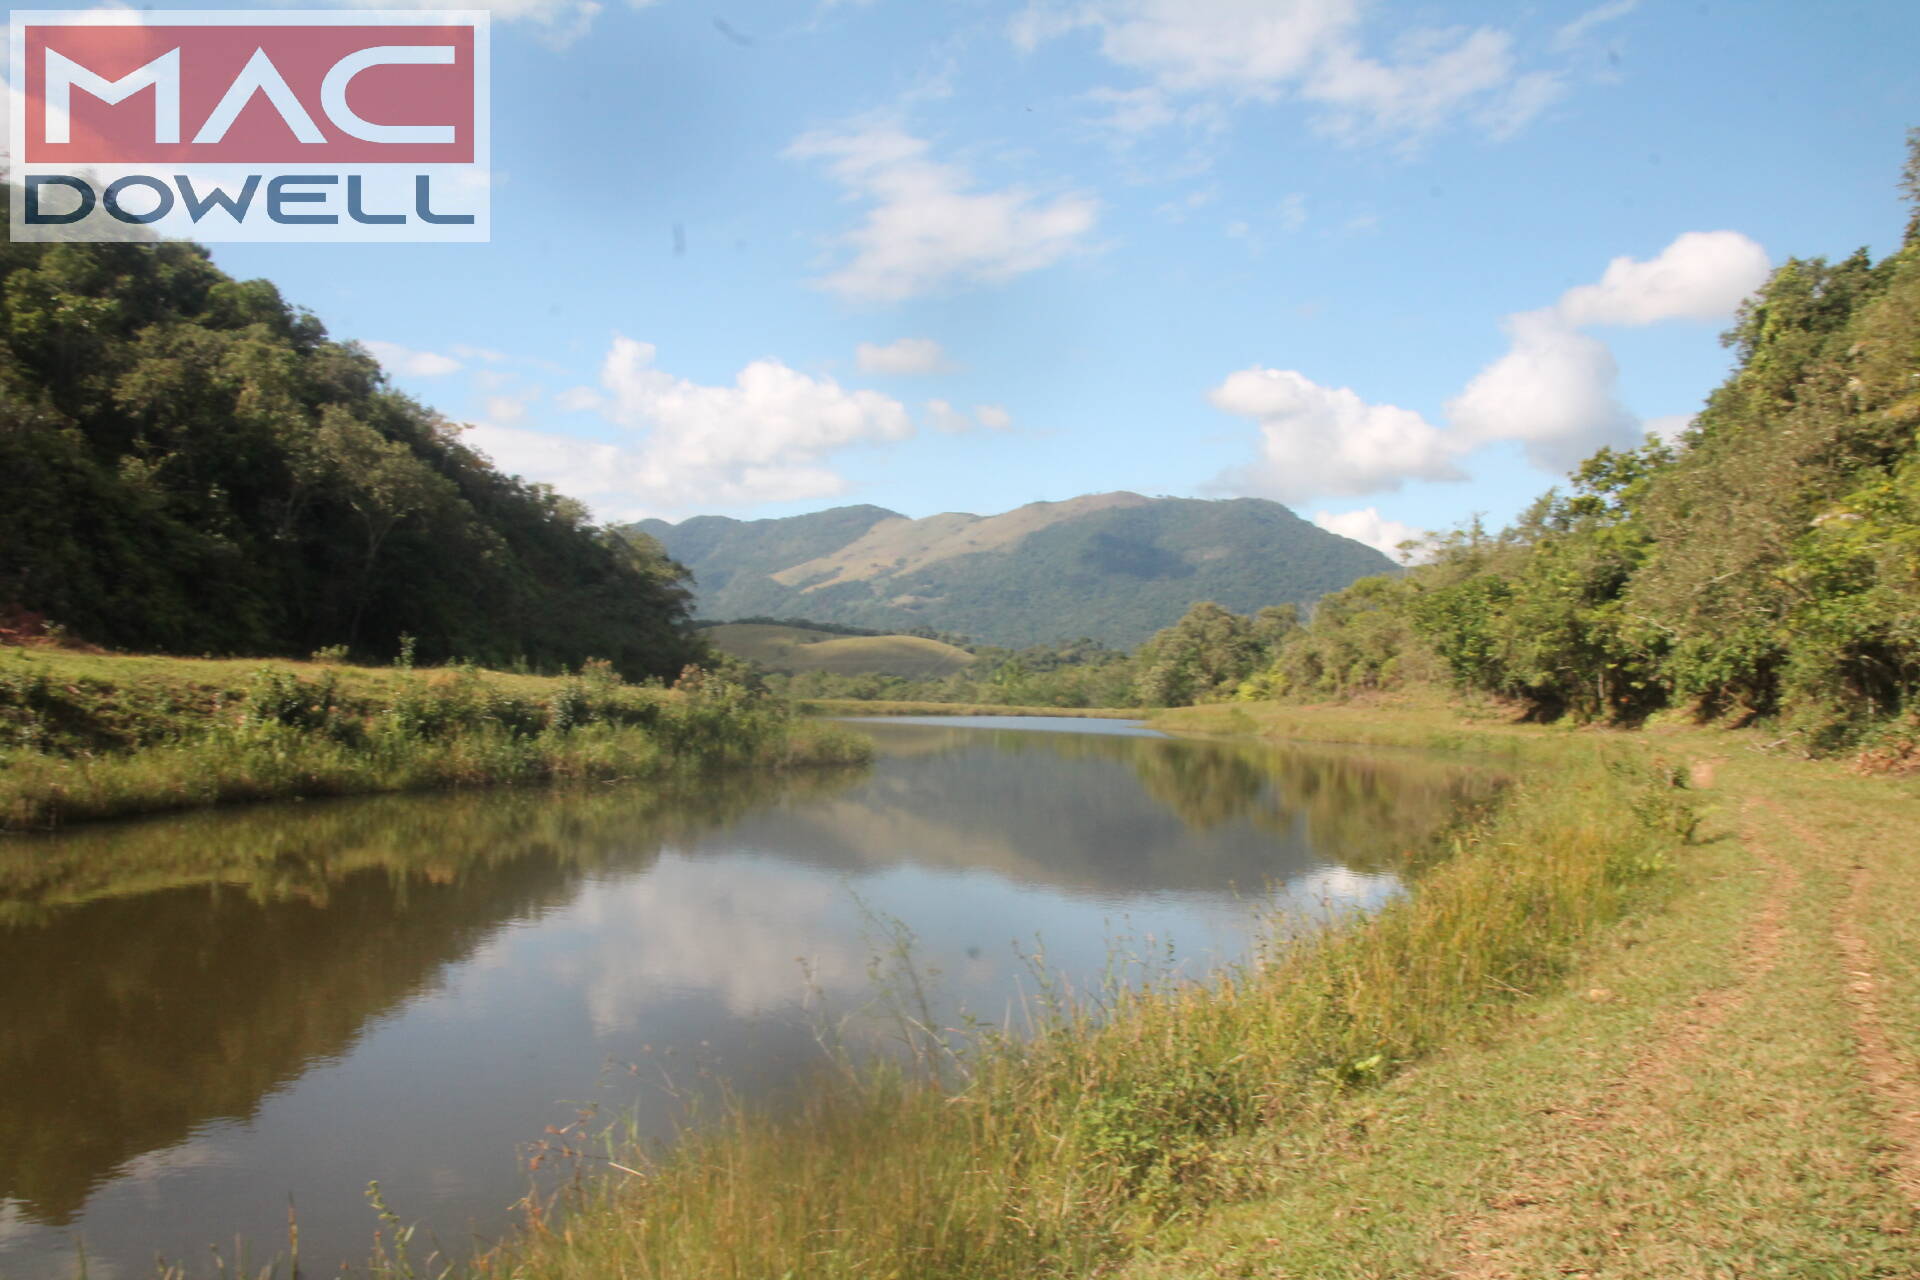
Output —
(1394, 265)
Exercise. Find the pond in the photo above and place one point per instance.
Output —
(209, 1018)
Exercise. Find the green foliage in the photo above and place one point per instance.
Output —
(1200, 658)
(97, 747)
(190, 465)
(1360, 639)
(1766, 565)
(1070, 674)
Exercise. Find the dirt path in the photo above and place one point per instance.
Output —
(1580, 1135)
(1895, 1083)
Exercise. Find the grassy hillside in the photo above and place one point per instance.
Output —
(797, 649)
(87, 735)
(1115, 567)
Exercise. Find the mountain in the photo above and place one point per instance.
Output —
(1113, 566)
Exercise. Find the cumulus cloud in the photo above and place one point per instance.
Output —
(408, 363)
(993, 417)
(927, 227)
(1555, 390)
(1367, 525)
(1702, 275)
(766, 437)
(1309, 50)
(511, 408)
(904, 356)
(944, 417)
(580, 400)
(1319, 440)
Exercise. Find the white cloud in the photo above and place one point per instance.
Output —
(1369, 526)
(1133, 111)
(1319, 440)
(942, 416)
(926, 228)
(904, 356)
(1573, 33)
(767, 437)
(580, 400)
(1555, 388)
(408, 363)
(1442, 74)
(1310, 50)
(509, 409)
(1702, 275)
(1554, 391)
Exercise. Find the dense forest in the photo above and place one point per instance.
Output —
(1764, 565)
(188, 464)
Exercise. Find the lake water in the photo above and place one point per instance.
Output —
(207, 1018)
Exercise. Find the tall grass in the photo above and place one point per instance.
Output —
(290, 736)
(1060, 1147)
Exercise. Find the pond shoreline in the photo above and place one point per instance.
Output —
(1091, 1145)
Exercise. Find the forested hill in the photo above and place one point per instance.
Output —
(1767, 564)
(188, 464)
(1116, 566)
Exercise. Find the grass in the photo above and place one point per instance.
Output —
(1695, 1099)
(89, 736)
(797, 649)
(863, 707)
(1124, 1128)
(1653, 1017)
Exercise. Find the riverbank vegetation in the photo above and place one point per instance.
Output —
(1125, 1114)
(96, 736)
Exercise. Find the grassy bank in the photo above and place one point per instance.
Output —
(1112, 1137)
(86, 736)
(1726, 1087)
(878, 707)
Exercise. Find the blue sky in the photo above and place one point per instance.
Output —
(1392, 264)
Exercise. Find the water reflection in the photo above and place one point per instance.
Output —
(224, 1008)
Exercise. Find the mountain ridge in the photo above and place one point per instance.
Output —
(1114, 566)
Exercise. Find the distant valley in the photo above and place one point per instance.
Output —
(1113, 566)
